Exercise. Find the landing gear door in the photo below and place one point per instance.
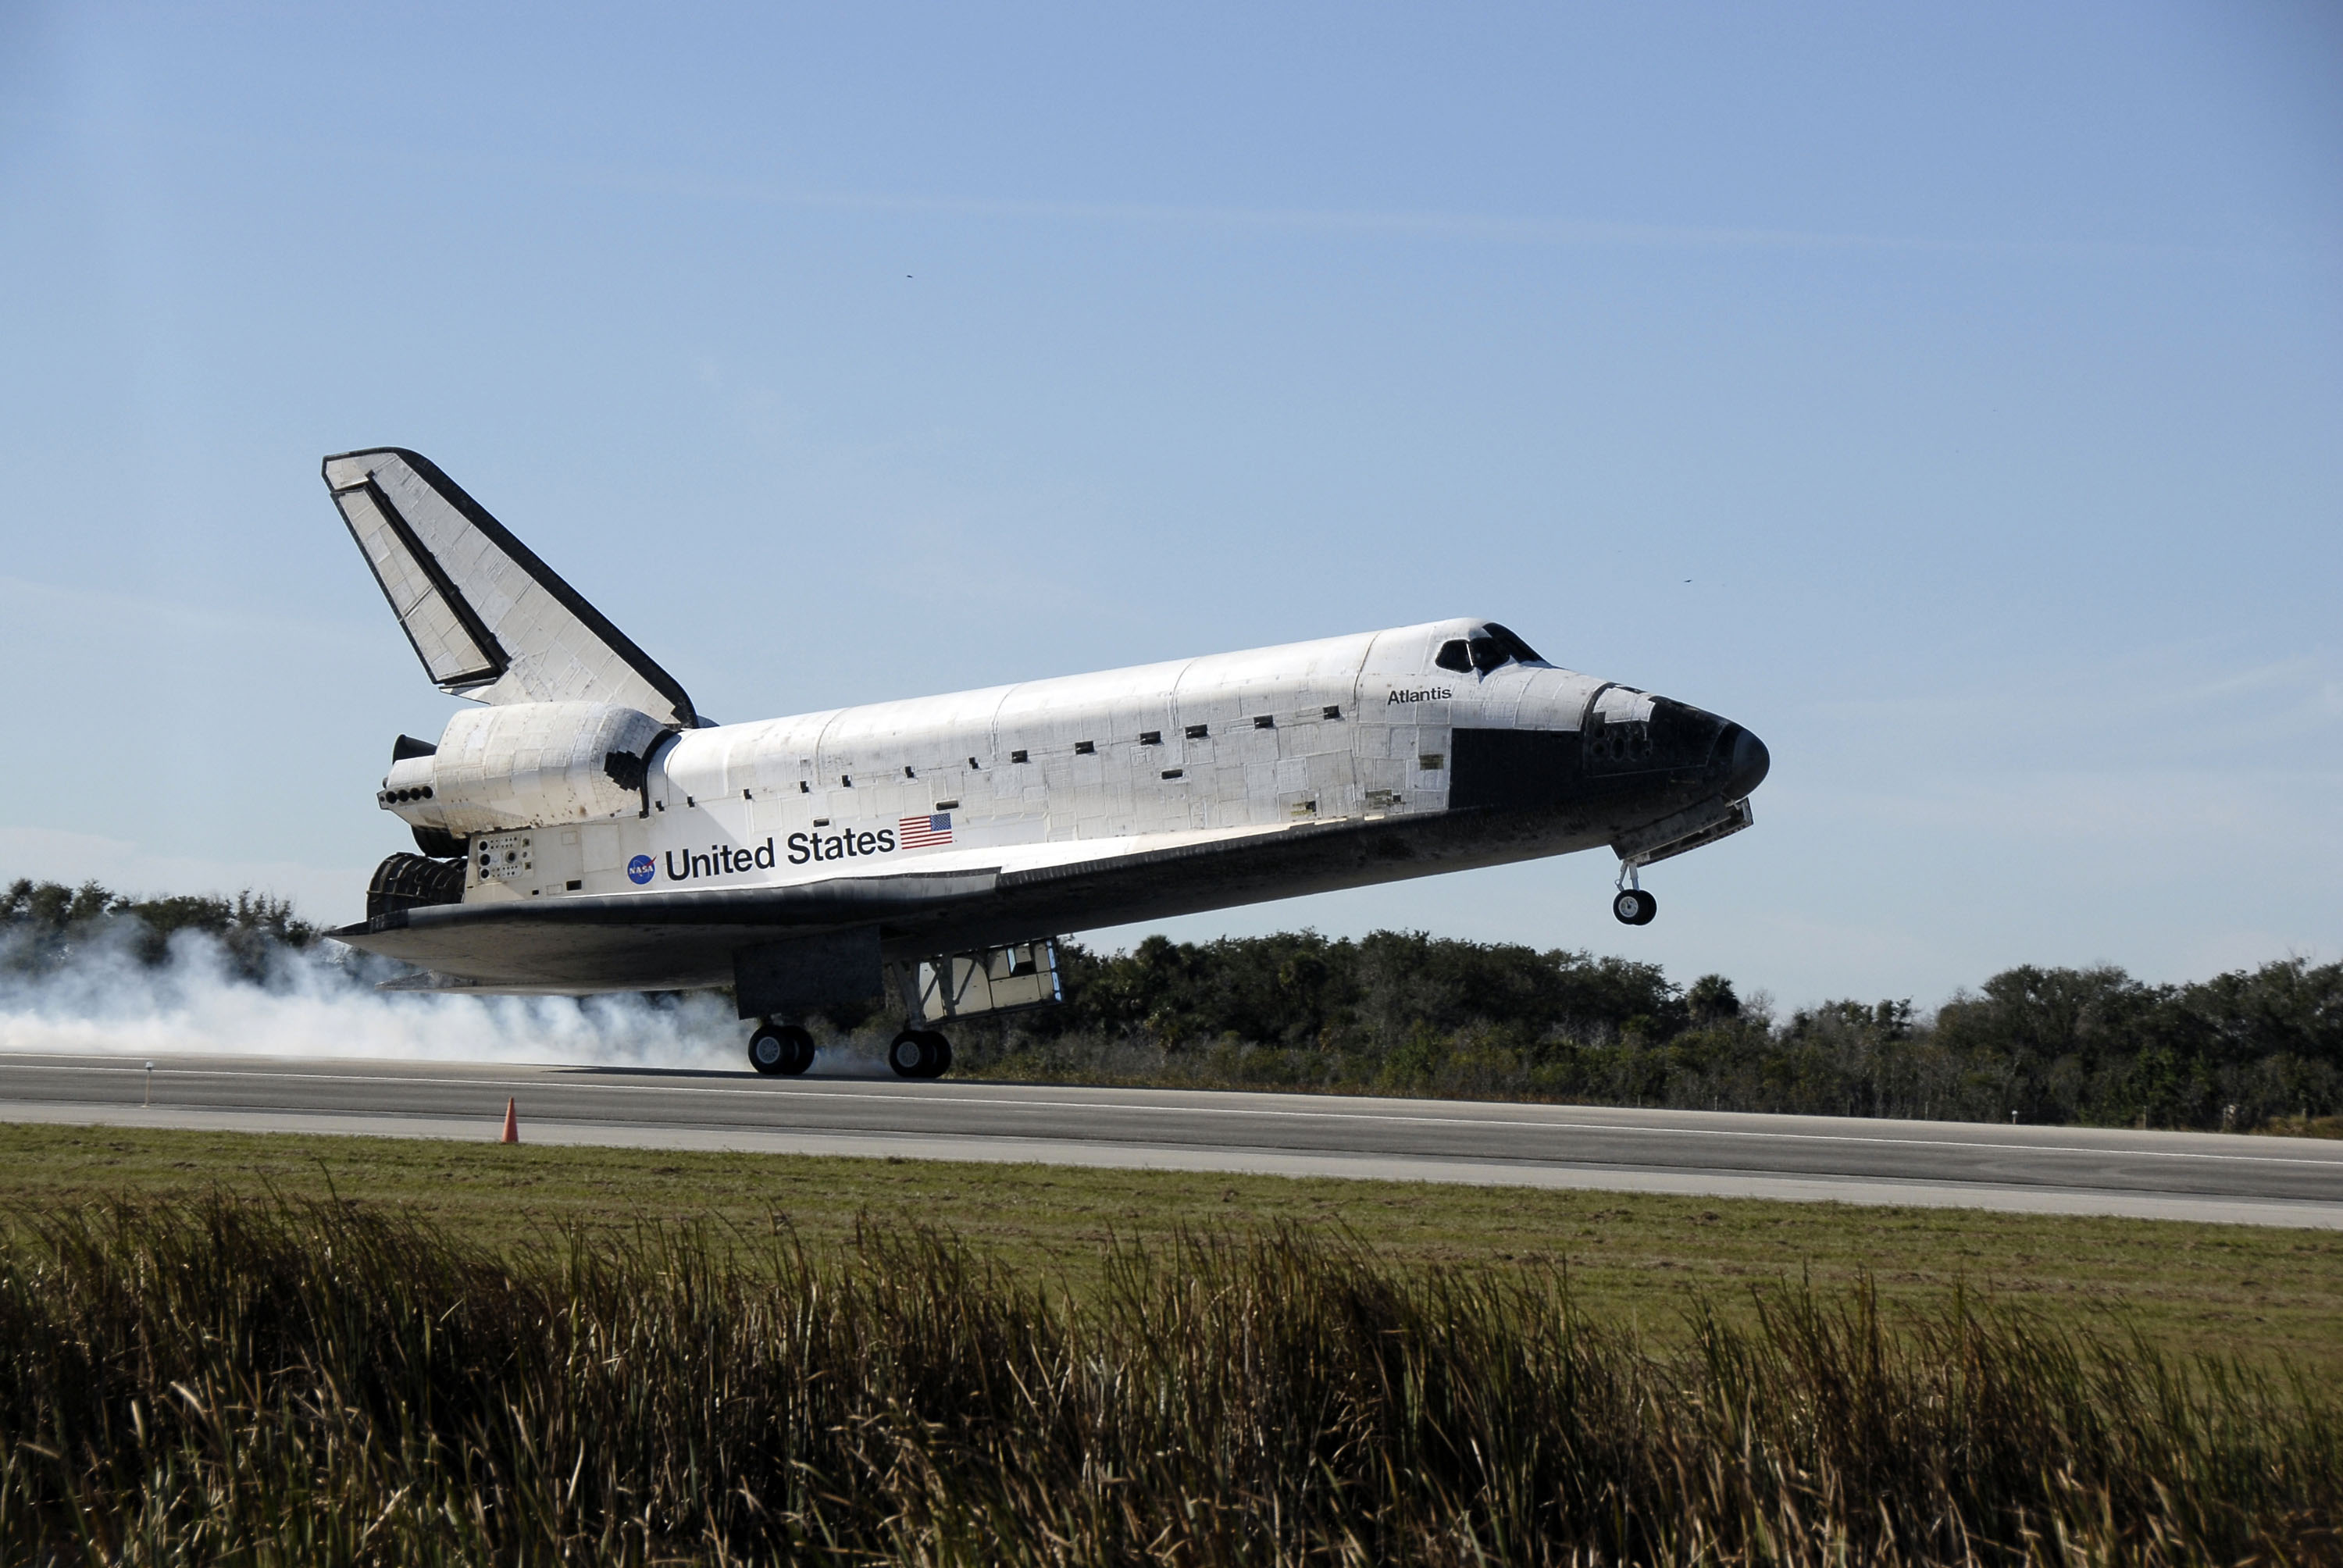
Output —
(991, 980)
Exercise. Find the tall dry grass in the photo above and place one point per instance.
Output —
(262, 1384)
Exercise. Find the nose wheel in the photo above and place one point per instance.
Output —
(1633, 906)
(920, 1054)
(780, 1048)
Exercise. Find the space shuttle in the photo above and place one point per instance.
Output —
(585, 829)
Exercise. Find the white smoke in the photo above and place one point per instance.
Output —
(320, 1001)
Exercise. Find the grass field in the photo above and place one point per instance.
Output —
(2272, 1296)
(210, 1380)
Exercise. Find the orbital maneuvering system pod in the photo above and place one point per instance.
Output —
(585, 828)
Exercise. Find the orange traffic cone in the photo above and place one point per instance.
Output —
(511, 1134)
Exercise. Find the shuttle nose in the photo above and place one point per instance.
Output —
(1745, 764)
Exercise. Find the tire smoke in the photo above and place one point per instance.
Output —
(319, 1001)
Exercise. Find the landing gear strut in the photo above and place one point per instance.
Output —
(1633, 906)
(780, 1048)
(920, 1054)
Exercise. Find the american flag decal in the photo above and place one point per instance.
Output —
(924, 832)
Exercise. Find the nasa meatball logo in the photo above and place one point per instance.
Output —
(640, 869)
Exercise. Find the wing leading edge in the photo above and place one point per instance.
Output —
(489, 620)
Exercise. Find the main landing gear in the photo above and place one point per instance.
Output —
(920, 1054)
(780, 1048)
(1633, 906)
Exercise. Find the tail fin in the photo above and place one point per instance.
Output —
(488, 619)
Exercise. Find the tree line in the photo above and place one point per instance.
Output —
(1402, 1012)
(1407, 1013)
(45, 926)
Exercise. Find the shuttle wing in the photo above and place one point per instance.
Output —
(489, 620)
(677, 939)
(668, 941)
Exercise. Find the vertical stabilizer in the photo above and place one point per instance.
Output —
(488, 619)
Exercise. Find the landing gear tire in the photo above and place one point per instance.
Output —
(780, 1048)
(920, 1054)
(1634, 906)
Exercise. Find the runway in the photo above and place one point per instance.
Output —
(2053, 1169)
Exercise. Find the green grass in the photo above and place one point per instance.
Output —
(2304, 1126)
(283, 1383)
(2273, 1296)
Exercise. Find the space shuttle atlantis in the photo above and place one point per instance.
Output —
(585, 828)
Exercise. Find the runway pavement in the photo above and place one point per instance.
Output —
(2171, 1175)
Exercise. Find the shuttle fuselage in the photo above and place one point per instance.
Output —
(608, 838)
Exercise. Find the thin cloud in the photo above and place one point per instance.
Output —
(2297, 694)
(679, 184)
(1581, 232)
(87, 607)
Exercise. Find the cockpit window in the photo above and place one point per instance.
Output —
(1496, 646)
(1454, 654)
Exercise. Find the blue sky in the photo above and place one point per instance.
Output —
(1953, 395)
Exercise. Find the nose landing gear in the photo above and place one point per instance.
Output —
(780, 1048)
(920, 1054)
(1633, 906)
